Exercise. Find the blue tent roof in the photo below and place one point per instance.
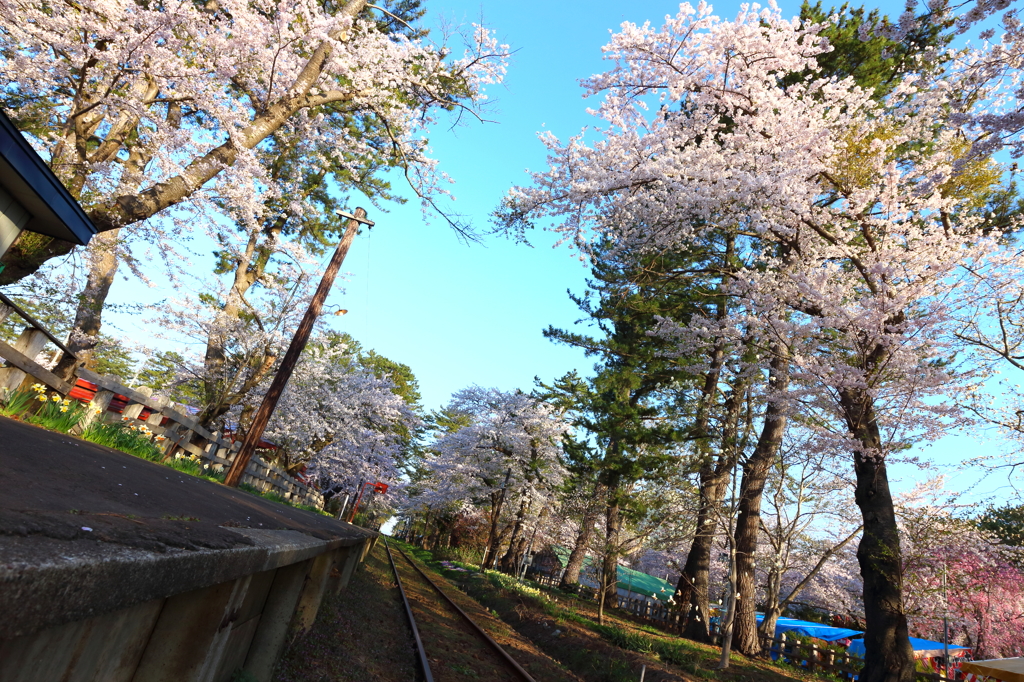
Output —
(809, 629)
(923, 648)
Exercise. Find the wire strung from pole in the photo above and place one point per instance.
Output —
(366, 303)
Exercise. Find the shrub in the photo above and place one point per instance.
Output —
(464, 555)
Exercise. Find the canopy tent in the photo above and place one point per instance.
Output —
(923, 648)
(1002, 669)
(628, 579)
(809, 629)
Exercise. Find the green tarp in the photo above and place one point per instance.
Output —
(629, 580)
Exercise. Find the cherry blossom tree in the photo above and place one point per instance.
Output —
(143, 109)
(806, 534)
(250, 343)
(862, 218)
(341, 420)
(140, 107)
(508, 449)
(954, 568)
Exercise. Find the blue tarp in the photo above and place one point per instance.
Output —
(923, 648)
(809, 629)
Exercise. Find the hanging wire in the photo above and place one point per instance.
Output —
(366, 303)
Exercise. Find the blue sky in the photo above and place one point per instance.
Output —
(462, 314)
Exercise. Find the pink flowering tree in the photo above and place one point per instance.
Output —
(859, 218)
(342, 421)
(141, 109)
(953, 568)
(504, 448)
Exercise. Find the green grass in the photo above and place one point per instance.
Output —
(17, 402)
(274, 497)
(55, 413)
(65, 415)
(58, 415)
(502, 594)
(120, 436)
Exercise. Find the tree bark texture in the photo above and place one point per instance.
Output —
(692, 589)
(571, 577)
(507, 563)
(88, 317)
(748, 522)
(888, 655)
(610, 568)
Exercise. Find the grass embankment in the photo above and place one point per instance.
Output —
(566, 628)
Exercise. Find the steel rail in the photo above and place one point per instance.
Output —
(424, 664)
(497, 647)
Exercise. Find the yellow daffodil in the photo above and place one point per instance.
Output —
(55, 398)
(66, 401)
(63, 408)
(41, 397)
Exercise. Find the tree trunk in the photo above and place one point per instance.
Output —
(507, 563)
(692, 589)
(729, 617)
(610, 569)
(772, 607)
(503, 534)
(491, 548)
(748, 522)
(888, 655)
(88, 317)
(571, 577)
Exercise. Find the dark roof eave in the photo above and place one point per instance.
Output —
(27, 178)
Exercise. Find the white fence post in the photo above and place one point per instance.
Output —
(29, 343)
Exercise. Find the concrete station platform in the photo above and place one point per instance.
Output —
(115, 568)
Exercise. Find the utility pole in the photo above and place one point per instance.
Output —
(945, 622)
(298, 344)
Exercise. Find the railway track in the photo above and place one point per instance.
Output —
(499, 654)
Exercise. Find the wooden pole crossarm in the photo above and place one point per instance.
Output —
(35, 323)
